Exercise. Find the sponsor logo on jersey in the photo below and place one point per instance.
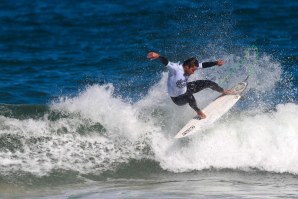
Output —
(181, 83)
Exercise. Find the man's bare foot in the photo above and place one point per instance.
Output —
(201, 115)
(229, 92)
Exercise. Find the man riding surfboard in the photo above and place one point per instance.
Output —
(179, 89)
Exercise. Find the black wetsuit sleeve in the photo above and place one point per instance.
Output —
(209, 64)
(163, 60)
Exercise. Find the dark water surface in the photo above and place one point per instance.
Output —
(49, 49)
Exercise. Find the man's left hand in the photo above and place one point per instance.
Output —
(220, 62)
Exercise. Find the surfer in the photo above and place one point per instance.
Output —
(180, 90)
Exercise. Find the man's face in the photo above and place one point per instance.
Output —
(189, 70)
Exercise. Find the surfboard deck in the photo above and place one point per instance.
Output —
(214, 111)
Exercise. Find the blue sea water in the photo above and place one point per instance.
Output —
(84, 114)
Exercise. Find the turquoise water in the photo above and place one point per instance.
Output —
(84, 114)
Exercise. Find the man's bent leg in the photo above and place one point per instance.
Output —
(190, 99)
(184, 99)
(193, 104)
(180, 100)
(196, 86)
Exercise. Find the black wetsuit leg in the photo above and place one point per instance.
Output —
(194, 87)
(184, 99)
(199, 85)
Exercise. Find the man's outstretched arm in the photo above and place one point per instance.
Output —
(154, 55)
(214, 63)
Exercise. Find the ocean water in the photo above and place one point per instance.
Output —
(84, 114)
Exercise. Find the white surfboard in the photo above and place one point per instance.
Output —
(213, 111)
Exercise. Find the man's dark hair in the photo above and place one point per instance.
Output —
(191, 62)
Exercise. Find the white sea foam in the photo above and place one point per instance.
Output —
(267, 141)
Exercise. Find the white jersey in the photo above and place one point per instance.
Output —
(176, 80)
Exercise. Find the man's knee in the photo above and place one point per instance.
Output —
(209, 83)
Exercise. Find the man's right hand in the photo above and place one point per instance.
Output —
(152, 55)
(220, 62)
